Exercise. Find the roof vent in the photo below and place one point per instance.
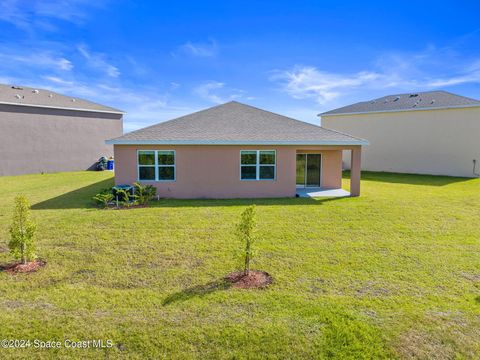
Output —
(18, 96)
(396, 98)
(73, 100)
(50, 95)
(413, 95)
(35, 91)
(432, 102)
(17, 88)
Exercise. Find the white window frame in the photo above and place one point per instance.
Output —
(258, 165)
(157, 166)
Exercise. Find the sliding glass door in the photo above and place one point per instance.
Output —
(308, 170)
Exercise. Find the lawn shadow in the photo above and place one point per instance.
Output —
(411, 179)
(78, 198)
(82, 198)
(172, 203)
(197, 291)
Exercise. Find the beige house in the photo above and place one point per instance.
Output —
(42, 131)
(433, 132)
(235, 151)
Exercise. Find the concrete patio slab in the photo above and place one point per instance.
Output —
(319, 192)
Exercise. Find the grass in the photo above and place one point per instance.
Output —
(394, 273)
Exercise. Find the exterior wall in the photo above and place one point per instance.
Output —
(209, 171)
(437, 142)
(35, 140)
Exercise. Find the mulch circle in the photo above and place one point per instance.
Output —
(29, 267)
(256, 279)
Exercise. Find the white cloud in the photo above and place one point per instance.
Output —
(208, 49)
(36, 58)
(216, 92)
(144, 106)
(394, 71)
(57, 80)
(206, 91)
(97, 61)
(308, 82)
(28, 15)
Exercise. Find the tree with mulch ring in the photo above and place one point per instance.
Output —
(248, 278)
(22, 239)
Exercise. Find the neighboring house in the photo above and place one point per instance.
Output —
(433, 132)
(233, 151)
(42, 131)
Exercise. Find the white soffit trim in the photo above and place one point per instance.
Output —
(205, 142)
(401, 110)
(63, 108)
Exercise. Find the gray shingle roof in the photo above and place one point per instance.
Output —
(27, 96)
(236, 123)
(410, 101)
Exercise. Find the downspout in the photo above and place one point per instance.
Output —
(475, 167)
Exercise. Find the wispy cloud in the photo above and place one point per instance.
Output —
(216, 92)
(50, 69)
(28, 15)
(98, 61)
(37, 58)
(198, 49)
(144, 106)
(308, 82)
(395, 71)
(57, 80)
(206, 91)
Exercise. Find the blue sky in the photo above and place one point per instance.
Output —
(161, 59)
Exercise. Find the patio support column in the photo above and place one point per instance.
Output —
(355, 170)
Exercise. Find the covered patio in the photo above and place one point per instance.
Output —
(319, 171)
(321, 192)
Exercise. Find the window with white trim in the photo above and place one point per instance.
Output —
(156, 165)
(258, 164)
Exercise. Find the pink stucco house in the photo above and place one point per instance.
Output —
(235, 151)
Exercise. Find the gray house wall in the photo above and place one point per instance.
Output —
(36, 140)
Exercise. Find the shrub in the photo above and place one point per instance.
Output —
(103, 199)
(22, 231)
(246, 233)
(144, 193)
(123, 197)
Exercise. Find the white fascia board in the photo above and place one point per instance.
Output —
(207, 142)
(63, 108)
(401, 110)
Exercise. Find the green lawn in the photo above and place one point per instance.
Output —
(394, 273)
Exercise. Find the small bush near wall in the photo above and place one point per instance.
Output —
(120, 198)
(144, 193)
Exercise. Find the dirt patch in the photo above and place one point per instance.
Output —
(471, 276)
(371, 289)
(29, 267)
(255, 279)
(416, 344)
